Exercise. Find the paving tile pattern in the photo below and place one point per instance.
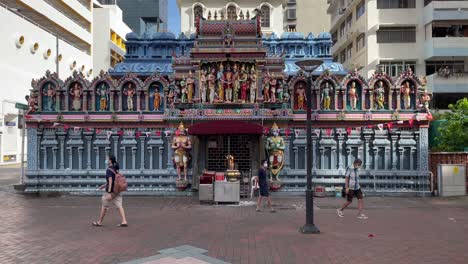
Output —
(404, 230)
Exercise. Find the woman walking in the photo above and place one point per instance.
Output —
(110, 196)
(263, 184)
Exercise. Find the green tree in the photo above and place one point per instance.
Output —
(454, 132)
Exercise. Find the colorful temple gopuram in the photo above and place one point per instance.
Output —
(222, 100)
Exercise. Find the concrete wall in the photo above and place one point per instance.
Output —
(312, 16)
(133, 12)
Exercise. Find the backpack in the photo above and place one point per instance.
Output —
(120, 184)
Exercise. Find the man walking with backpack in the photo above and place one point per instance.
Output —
(115, 184)
(352, 188)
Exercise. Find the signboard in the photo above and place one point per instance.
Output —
(9, 158)
(10, 123)
(21, 106)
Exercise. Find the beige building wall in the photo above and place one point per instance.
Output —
(312, 16)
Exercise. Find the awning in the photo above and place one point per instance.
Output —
(223, 127)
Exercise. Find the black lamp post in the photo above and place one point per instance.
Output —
(309, 66)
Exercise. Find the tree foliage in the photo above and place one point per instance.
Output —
(454, 132)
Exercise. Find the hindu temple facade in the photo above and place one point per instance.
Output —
(182, 105)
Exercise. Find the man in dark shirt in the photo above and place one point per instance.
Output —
(263, 184)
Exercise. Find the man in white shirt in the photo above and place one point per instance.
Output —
(353, 188)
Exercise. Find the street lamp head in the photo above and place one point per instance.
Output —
(309, 65)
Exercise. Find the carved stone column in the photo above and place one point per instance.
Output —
(111, 101)
(367, 138)
(142, 153)
(85, 101)
(61, 138)
(120, 101)
(88, 138)
(93, 98)
(376, 155)
(401, 151)
(54, 158)
(138, 101)
(339, 151)
(150, 161)
(394, 139)
(322, 158)
(134, 150)
(57, 101)
(124, 157)
(412, 152)
(70, 157)
(96, 150)
(147, 101)
(116, 146)
(390, 99)
(80, 158)
(296, 158)
(398, 98)
(387, 157)
(336, 98)
(161, 151)
(287, 152)
(44, 157)
(314, 147)
(333, 164)
(371, 100)
(348, 155)
(34, 141)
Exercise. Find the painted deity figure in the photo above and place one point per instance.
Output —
(273, 84)
(103, 94)
(183, 90)
(236, 83)
(32, 101)
(156, 99)
(230, 161)
(76, 92)
(301, 96)
(228, 79)
(49, 92)
(203, 86)
(181, 144)
(425, 100)
(280, 91)
(190, 87)
(266, 88)
(220, 77)
(253, 85)
(275, 147)
(171, 95)
(130, 93)
(380, 95)
(406, 91)
(353, 96)
(286, 95)
(212, 84)
(243, 80)
(326, 98)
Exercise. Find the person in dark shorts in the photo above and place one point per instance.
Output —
(263, 184)
(111, 197)
(353, 189)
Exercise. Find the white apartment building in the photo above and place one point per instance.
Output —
(307, 16)
(427, 36)
(55, 35)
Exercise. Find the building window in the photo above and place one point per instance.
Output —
(265, 16)
(197, 11)
(334, 37)
(442, 29)
(335, 59)
(394, 68)
(390, 4)
(291, 1)
(360, 42)
(292, 28)
(360, 9)
(396, 35)
(231, 13)
(349, 51)
(342, 29)
(343, 56)
(445, 68)
(349, 21)
(292, 14)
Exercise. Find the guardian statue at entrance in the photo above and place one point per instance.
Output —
(275, 148)
(181, 144)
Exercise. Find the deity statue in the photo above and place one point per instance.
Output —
(406, 91)
(230, 160)
(203, 86)
(301, 96)
(275, 147)
(181, 144)
(103, 94)
(171, 95)
(273, 84)
(50, 93)
(425, 100)
(190, 87)
(32, 101)
(243, 80)
(183, 89)
(236, 83)
(380, 95)
(353, 96)
(220, 82)
(253, 85)
(212, 84)
(156, 99)
(76, 93)
(266, 88)
(286, 95)
(228, 79)
(130, 93)
(326, 98)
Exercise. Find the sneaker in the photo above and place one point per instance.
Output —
(362, 216)
(340, 212)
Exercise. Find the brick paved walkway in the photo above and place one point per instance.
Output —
(405, 230)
